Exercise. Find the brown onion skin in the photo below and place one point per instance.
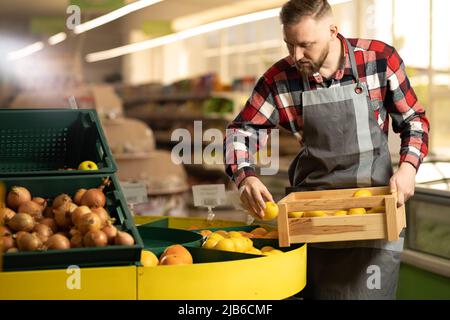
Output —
(7, 242)
(111, 233)
(58, 242)
(17, 196)
(76, 241)
(5, 215)
(61, 200)
(89, 222)
(29, 242)
(40, 201)
(43, 231)
(78, 196)
(22, 222)
(94, 198)
(32, 208)
(4, 231)
(78, 213)
(102, 213)
(95, 238)
(123, 239)
(19, 234)
(51, 223)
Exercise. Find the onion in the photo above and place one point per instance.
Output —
(21, 222)
(48, 212)
(89, 222)
(4, 231)
(102, 213)
(5, 215)
(29, 242)
(78, 195)
(110, 232)
(51, 223)
(60, 200)
(19, 234)
(76, 241)
(40, 201)
(94, 198)
(17, 196)
(95, 238)
(57, 242)
(43, 231)
(78, 212)
(63, 214)
(32, 208)
(123, 239)
(64, 233)
(12, 250)
(7, 243)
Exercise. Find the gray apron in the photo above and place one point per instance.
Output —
(345, 148)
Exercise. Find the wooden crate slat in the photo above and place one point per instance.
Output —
(283, 227)
(335, 204)
(338, 193)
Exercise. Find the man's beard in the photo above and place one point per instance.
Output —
(308, 67)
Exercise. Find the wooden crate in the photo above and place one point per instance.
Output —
(386, 225)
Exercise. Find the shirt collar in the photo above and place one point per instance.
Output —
(344, 69)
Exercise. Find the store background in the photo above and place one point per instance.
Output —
(209, 77)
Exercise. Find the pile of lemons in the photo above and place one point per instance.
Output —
(350, 212)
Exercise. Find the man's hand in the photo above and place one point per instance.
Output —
(403, 182)
(253, 195)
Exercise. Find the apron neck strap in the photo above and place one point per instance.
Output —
(353, 65)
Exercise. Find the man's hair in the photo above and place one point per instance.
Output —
(294, 10)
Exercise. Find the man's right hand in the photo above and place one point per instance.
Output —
(254, 194)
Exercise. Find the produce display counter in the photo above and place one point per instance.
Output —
(214, 275)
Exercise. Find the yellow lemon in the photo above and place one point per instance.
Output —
(223, 233)
(267, 253)
(340, 213)
(240, 245)
(362, 193)
(267, 248)
(311, 214)
(377, 210)
(271, 211)
(355, 211)
(88, 165)
(210, 243)
(149, 259)
(248, 242)
(296, 214)
(234, 234)
(254, 251)
(225, 245)
(276, 251)
(216, 236)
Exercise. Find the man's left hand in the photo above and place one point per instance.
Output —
(403, 182)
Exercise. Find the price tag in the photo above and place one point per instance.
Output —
(209, 195)
(135, 192)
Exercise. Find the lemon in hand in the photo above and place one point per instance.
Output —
(88, 165)
(271, 211)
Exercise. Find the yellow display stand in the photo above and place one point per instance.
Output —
(112, 283)
(271, 277)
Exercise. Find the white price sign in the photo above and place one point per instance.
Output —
(209, 195)
(135, 192)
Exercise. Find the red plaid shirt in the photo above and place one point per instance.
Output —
(276, 101)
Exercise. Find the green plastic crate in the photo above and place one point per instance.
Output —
(158, 239)
(47, 141)
(49, 187)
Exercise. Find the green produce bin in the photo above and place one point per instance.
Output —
(50, 187)
(50, 141)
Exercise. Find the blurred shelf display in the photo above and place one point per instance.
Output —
(428, 230)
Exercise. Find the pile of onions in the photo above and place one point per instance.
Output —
(30, 224)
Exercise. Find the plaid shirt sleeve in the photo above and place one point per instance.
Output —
(407, 114)
(242, 138)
